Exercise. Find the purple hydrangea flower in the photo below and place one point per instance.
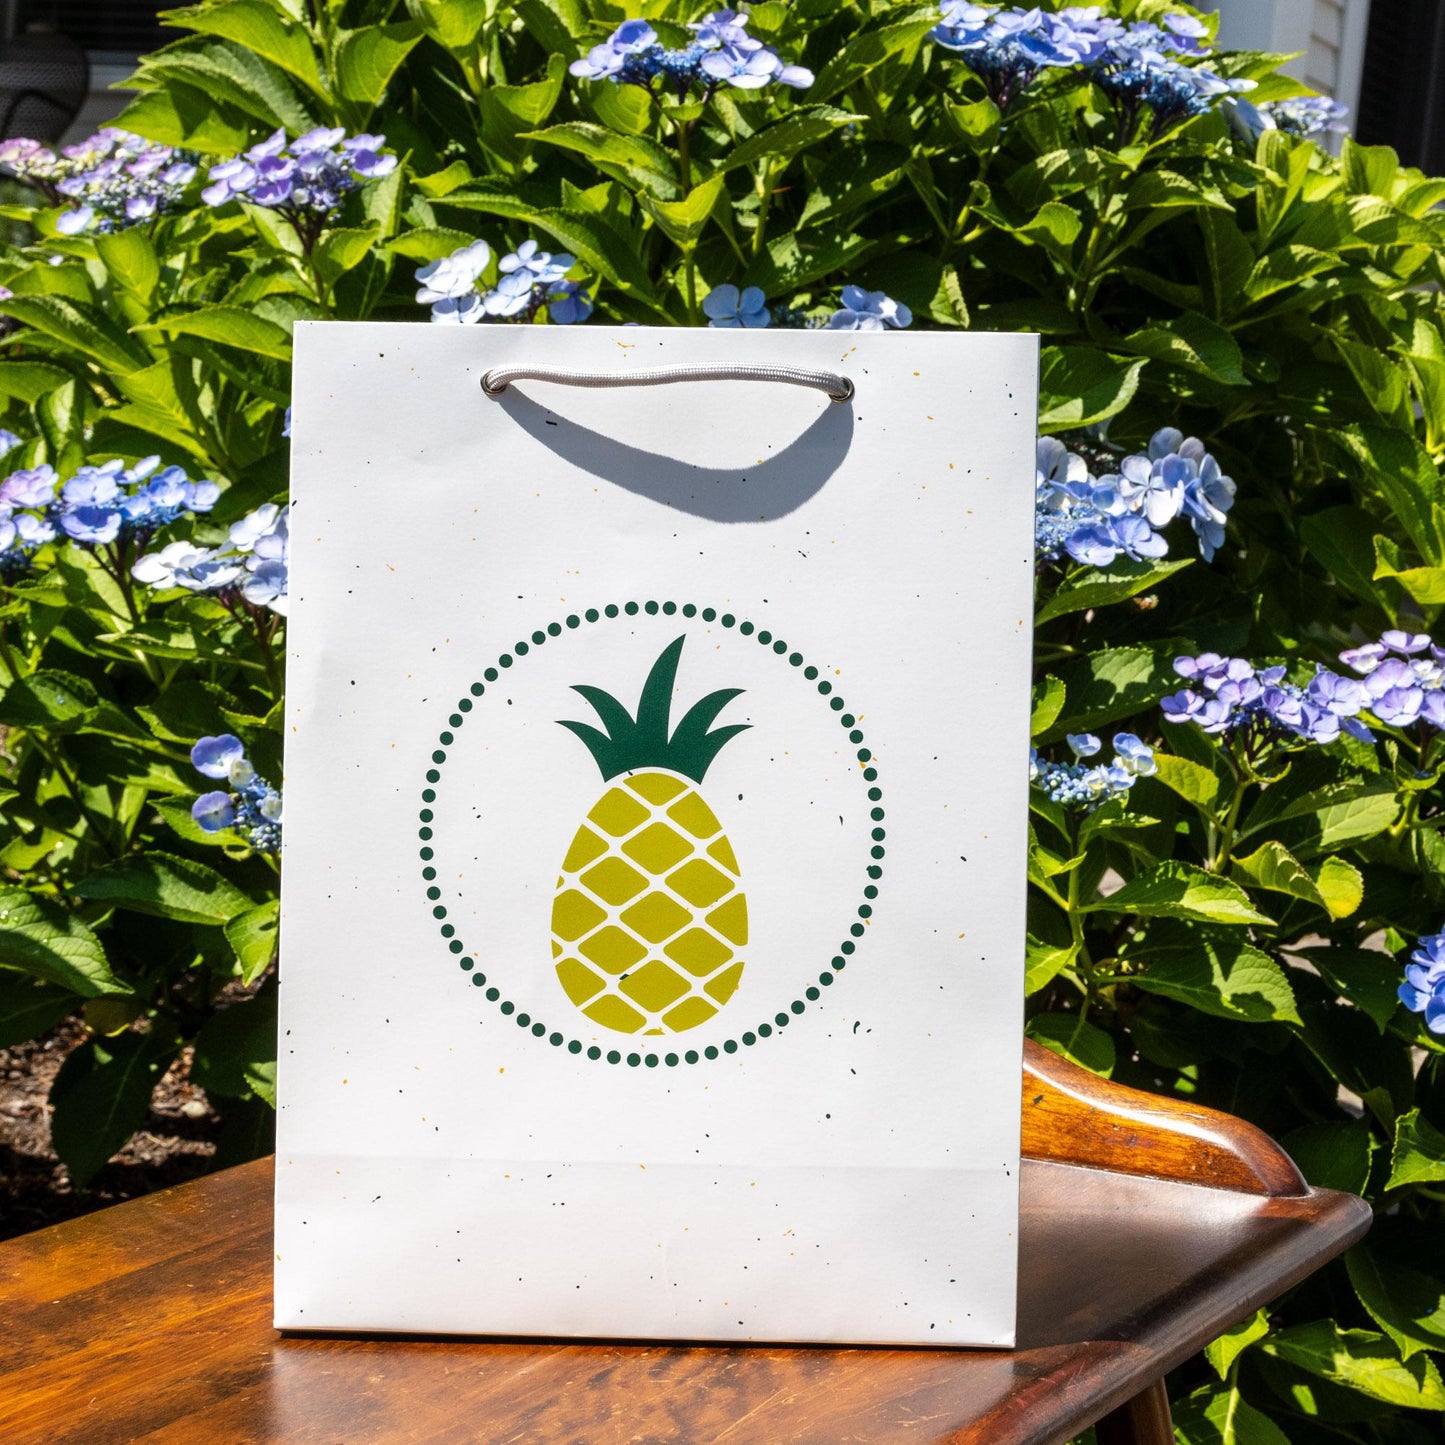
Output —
(869, 311)
(252, 807)
(1088, 785)
(305, 179)
(1423, 991)
(726, 306)
(215, 756)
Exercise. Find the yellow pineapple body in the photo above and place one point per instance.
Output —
(649, 918)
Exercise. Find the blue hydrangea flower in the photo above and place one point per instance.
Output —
(452, 276)
(1087, 786)
(868, 311)
(528, 280)
(722, 52)
(726, 306)
(541, 268)
(112, 179)
(1423, 991)
(251, 567)
(1308, 115)
(305, 179)
(1402, 679)
(568, 302)
(252, 807)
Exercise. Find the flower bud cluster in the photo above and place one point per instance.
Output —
(251, 565)
(251, 806)
(1079, 784)
(114, 179)
(527, 280)
(1095, 519)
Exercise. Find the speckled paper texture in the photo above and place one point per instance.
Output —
(724, 1045)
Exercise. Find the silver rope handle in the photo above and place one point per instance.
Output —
(837, 387)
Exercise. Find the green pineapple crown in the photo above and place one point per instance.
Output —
(625, 744)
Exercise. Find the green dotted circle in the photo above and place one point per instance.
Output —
(771, 642)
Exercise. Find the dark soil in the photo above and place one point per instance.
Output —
(178, 1141)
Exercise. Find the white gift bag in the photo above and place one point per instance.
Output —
(653, 884)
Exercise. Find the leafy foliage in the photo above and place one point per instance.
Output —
(1229, 932)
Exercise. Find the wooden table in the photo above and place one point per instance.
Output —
(152, 1320)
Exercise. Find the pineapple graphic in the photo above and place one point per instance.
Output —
(650, 916)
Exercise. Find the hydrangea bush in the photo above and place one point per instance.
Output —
(1237, 874)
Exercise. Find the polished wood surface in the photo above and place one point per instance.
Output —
(1071, 1116)
(152, 1321)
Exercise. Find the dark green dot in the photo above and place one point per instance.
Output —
(709, 614)
(538, 638)
(839, 964)
(428, 796)
(630, 609)
(523, 1020)
(505, 660)
(440, 911)
(446, 739)
(864, 756)
(765, 637)
(477, 978)
(876, 814)
(538, 1030)
(727, 619)
(691, 1056)
(857, 930)
(651, 609)
(875, 872)
(574, 1046)
(797, 1006)
(651, 1061)
(837, 704)
(613, 1057)
(575, 621)
(456, 945)
(491, 676)
(746, 628)
(825, 979)
(493, 995)
(554, 629)
(730, 1046)
(594, 1052)
(477, 689)
(439, 755)
(671, 1060)
(847, 719)
(874, 794)
(870, 775)
(555, 1040)
(447, 930)
(424, 832)
(668, 608)
(481, 978)
(780, 647)
(508, 1007)
(689, 609)
(855, 736)
(592, 614)
(425, 815)
(765, 1031)
(612, 609)
(781, 1021)
(432, 776)
(796, 659)
(749, 1039)
(520, 648)
(468, 964)
(429, 873)
(848, 947)
(710, 1052)
(879, 834)
(433, 893)
(810, 992)
(633, 1060)
(870, 892)
(876, 851)
(465, 705)
(455, 720)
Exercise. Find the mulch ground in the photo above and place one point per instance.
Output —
(176, 1143)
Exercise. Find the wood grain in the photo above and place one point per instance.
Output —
(151, 1322)
(1071, 1116)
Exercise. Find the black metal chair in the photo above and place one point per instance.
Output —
(44, 80)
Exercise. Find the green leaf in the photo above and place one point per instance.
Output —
(1114, 683)
(130, 258)
(1223, 1417)
(1180, 890)
(28, 381)
(1419, 1153)
(1192, 782)
(185, 115)
(1359, 1360)
(1425, 584)
(102, 1095)
(1341, 886)
(338, 252)
(166, 887)
(1044, 962)
(1333, 1153)
(236, 1050)
(29, 1007)
(255, 25)
(1405, 1300)
(683, 221)
(232, 73)
(1402, 472)
(864, 52)
(796, 132)
(231, 326)
(1080, 385)
(1218, 974)
(445, 181)
(82, 328)
(1338, 890)
(1368, 978)
(1048, 704)
(252, 936)
(53, 702)
(637, 155)
(1223, 1352)
(366, 59)
(1090, 588)
(1074, 1039)
(1339, 539)
(1194, 343)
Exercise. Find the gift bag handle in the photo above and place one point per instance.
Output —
(838, 388)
